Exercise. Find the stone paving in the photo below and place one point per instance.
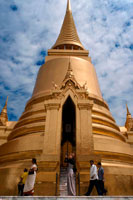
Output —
(69, 198)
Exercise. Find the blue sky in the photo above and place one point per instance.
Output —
(28, 28)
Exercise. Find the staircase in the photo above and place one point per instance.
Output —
(63, 182)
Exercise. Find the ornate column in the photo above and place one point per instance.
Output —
(51, 148)
(84, 138)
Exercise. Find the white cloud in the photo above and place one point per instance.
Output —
(104, 27)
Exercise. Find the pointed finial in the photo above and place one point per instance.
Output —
(6, 102)
(85, 85)
(3, 114)
(69, 65)
(129, 120)
(70, 71)
(128, 113)
(68, 5)
(55, 86)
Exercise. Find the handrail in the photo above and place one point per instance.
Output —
(79, 184)
(56, 184)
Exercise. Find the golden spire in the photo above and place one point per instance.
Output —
(3, 114)
(68, 37)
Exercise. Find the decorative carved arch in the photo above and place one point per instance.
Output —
(69, 92)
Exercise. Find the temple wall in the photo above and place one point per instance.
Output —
(112, 145)
(5, 131)
(32, 142)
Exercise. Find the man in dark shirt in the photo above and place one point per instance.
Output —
(101, 179)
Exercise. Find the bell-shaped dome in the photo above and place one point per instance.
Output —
(55, 71)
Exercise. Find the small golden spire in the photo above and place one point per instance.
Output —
(3, 114)
(69, 73)
(129, 120)
(69, 78)
(128, 113)
(68, 5)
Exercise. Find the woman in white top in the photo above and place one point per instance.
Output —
(30, 181)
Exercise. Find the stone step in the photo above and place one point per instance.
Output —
(63, 178)
(63, 170)
(63, 173)
(67, 198)
(63, 185)
(63, 188)
(63, 182)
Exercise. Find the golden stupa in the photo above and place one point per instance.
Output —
(66, 113)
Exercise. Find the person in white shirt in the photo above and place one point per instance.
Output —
(93, 179)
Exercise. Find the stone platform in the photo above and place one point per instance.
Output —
(69, 198)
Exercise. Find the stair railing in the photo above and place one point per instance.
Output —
(78, 184)
(56, 187)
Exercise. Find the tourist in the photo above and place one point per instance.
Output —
(93, 179)
(101, 178)
(22, 182)
(71, 186)
(30, 181)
